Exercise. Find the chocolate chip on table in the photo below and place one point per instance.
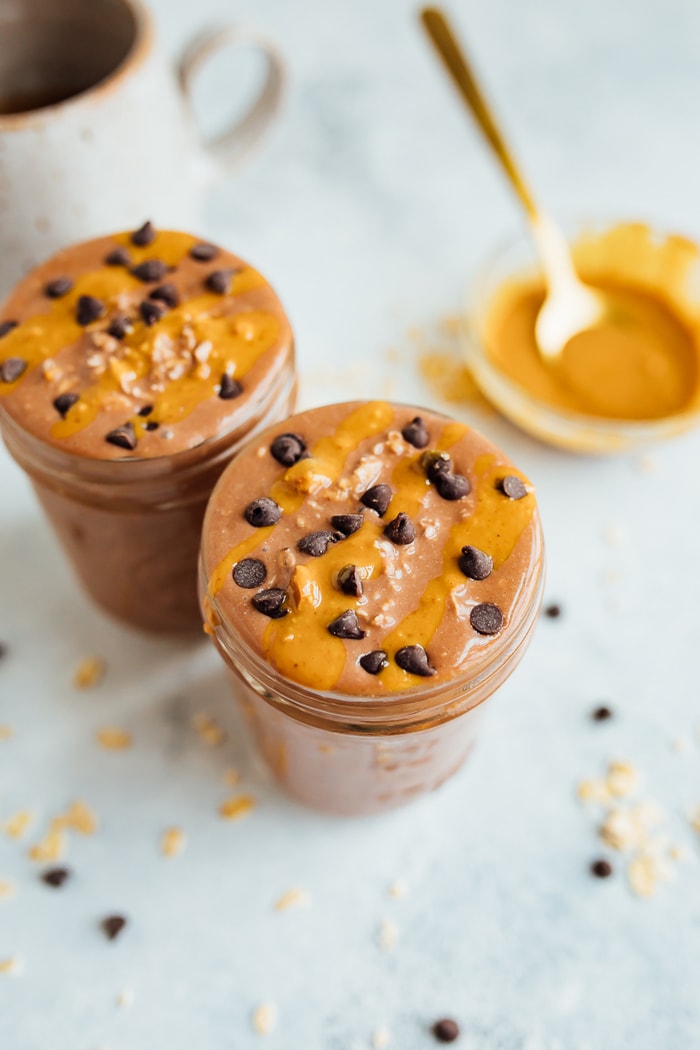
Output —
(166, 293)
(113, 926)
(55, 876)
(229, 387)
(64, 402)
(346, 626)
(486, 618)
(446, 1030)
(145, 234)
(601, 714)
(150, 270)
(374, 662)
(316, 543)
(347, 523)
(262, 512)
(512, 487)
(414, 659)
(11, 369)
(288, 449)
(89, 309)
(145, 411)
(203, 252)
(416, 433)
(123, 437)
(602, 869)
(152, 312)
(59, 287)
(219, 281)
(451, 486)
(434, 463)
(475, 564)
(118, 257)
(271, 603)
(7, 326)
(400, 530)
(249, 572)
(350, 581)
(552, 612)
(119, 327)
(377, 498)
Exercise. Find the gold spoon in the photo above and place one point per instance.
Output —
(570, 306)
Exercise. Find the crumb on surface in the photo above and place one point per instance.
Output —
(381, 1038)
(172, 842)
(11, 967)
(208, 729)
(295, 898)
(18, 824)
(89, 672)
(112, 738)
(6, 732)
(398, 889)
(388, 935)
(236, 807)
(232, 777)
(7, 889)
(264, 1018)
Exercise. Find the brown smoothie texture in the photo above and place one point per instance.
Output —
(367, 548)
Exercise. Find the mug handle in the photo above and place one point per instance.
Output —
(224, 152)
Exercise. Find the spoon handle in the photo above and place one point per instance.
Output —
(455, 60)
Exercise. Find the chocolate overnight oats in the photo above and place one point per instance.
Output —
(371, 573)
(131, 368)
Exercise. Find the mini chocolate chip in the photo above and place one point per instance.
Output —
(145, 234)
(602, 869)
(262, 512)
(553, 612)
(250, 572)
(55, 876)
(512, 487)
(451, 486)
(123, 437)
(486, 618)
(89, 309)
(416, 433)
(601, 714)
(59, 287)
(119, 327)
(219, 281)
(166, 293)
(377, 498)
(12, 369)
(374, 662)
(150, 270)
(7, 326)
(152, 425)
(400, 530)
(346, 626)
(350, 581)
(434, 463)
(146, 410)
(347, 523)
(64, 402)
(475, 564)
(446, 1030)
(118, 257)
(113, 925)
(152, 312)
(414, 659)
(270, 603)
(288, 449)
(203, 252)
(229, 388)
(316, 543)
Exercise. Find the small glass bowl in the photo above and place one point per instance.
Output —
(657, 254)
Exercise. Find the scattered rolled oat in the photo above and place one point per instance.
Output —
(264, 1018)
(125, 999)
(17, 825)
(112, 738)
(49, 849)
(381, 1038)
(6, 732)
(398, 889)
(388, 935)
(294, 898)
(646, 870)
(172, 842)
(78, 817)
(236, 807)
(210, 732)
(89, 672)
(695, 819)
(11, 967)
(7, 889)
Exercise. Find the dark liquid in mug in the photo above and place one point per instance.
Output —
(27, 101)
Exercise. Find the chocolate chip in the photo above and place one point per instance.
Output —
(145, 234)
(350, 581)
(601, 714)
(150, 270)
(512, 487)
(113, 925)
(486, 618)
(414, 659)
(151, 312)
(7, 326)
(123, 437)
(451, 486)
(166, 293)
(152, 425)
(219, 281)
(288, 449)
(475, 564)
(346, 625)
(316, 543)
(446, 1030)
(89, 309)
(64, 402)
(119, 327)
(146, 410)
(203, 252)
(118, 257)
(270, 603)
(262, 512)
(434, 463)
(374, 662)
(400, 530)
(377, 498)
(229, 388)
(59, 287)
(416, 433)
(602, 869)
(55, 876)
(12, 369)
(347, 523)
(553, 612)
(250, 572)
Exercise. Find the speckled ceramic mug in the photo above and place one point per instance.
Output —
(96, 127)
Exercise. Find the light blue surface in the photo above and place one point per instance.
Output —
(369, 207)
